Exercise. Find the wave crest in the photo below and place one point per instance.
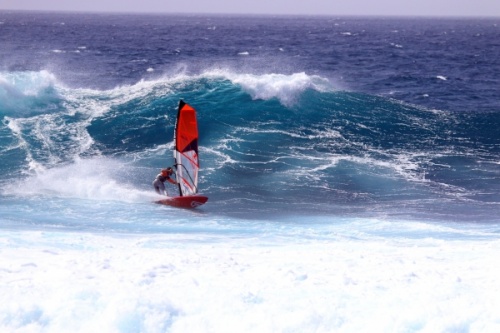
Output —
(28, 92)
(287, 88)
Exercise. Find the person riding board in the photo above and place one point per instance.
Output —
(161, 178)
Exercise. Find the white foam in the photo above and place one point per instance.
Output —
(29, 83)
(221, 158)
(317, 134)
(93, 179)
(78, 282)
(440, 77)
(284, 87)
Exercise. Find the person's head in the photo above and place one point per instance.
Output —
(167, 172)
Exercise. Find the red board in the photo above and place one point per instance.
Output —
(188, 201)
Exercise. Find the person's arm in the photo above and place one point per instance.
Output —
(172, 181)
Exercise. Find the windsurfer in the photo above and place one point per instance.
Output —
(161, 178)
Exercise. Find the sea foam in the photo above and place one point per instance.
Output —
(80, 282)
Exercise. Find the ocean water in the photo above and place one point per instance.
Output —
(352, 167)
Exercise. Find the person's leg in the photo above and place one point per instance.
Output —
(162, 189)
(159, 187)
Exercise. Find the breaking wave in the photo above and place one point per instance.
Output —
(273, 139)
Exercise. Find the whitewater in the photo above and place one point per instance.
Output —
(352, 168)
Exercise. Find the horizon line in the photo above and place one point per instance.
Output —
(450, 16)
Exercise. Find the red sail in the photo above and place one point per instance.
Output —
(186, 150)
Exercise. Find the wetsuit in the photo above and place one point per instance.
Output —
(159, 185)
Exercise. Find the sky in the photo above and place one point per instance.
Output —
(273, 7)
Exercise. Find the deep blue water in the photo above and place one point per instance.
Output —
(297, 115)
